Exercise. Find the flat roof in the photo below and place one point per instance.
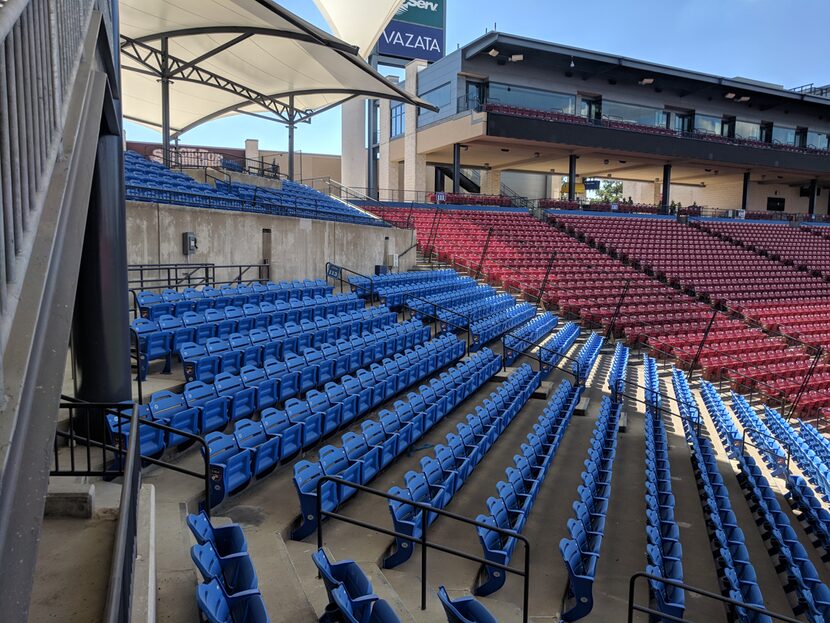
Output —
(591, 62)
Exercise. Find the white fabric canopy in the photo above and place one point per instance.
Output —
(227, 56)
(359, 21)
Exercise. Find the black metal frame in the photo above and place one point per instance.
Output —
(423, 541)
(633, 606)
(90, 438)
(335, 271)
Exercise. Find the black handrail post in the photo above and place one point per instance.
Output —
(424, 548)
(806, 381)
(526, 591)
(702, 343)
(617, 310)
(484, 253)
(544, 285)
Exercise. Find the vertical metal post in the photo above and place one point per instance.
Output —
(424, 524)
(165, 102)
(483, 253)
(544, 285)
(666, 187)
(372, 138)
(617, 310)
(745, 191)
(806, 381)
(456, 168)
(291, 124)
(702, 343)
(811, 205)
(572, 177)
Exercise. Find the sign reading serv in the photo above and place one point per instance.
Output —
(417, 32)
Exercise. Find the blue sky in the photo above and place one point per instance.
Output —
(779, 41)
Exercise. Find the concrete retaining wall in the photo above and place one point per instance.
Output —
(299, 248)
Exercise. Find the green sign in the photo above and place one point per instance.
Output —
(423, 12)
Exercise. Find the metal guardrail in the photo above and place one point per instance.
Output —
(40, 48)
(423, 540)
(658, 615)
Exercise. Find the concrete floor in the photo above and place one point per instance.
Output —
(267, 510)
(72, 570)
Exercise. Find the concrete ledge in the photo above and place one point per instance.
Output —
(69, 497)
(143, 606)
(622, 425)
(582, 405)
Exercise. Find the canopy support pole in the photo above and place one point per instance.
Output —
(291, 125)
(165, 102)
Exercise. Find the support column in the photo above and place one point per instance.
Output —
(291, 124)
(490, 183)
(387, 170)
(100, 333)
(456, 167)
(414, 163)
(666, 187)
(165, 103)
(745, 191)
(439, 180)
(572, 177)
(372, 139)
(811, 206)
(827, 190)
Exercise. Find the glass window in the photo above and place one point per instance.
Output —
(819, 140)
(707, 124)
(530, 98)
(398, 125)
(748, 130)
(633, 114)
(683, 121)
(439, 96)
(783, 136)
(475, 95)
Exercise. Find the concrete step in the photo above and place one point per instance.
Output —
(176, 577)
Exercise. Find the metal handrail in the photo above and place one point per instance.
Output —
(73, 439)
(119, 591)
(423, 541)
(634, 606)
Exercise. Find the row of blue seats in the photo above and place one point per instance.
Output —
(160, 340)
(203, 408)
(811, 465)
(462, 316)
(814, 517)
(587, 356)
(817, 442)
(524, 480)
(493, 326)
(391, 434)
(221, 555)
(731, 436)
(350, 592)
(362, 284)
(443, 475)
(430, 305)
(773, 455)
(553, 350)
(812, 596)
(664, 551)
(202, 363)
(653, 396)
(396, 295)
(173, 302)
(519, 340)
(618, 374)
(352, 598)
(581, 551)
(254, 449)
(737, 576)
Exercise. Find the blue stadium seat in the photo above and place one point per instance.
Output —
(464, 609)
(226, 540)
(266, 449)
(230, 466)
(218, 607)
(235, 573)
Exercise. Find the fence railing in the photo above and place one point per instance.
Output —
(658, 615)
(423, 540)
(40, 49)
